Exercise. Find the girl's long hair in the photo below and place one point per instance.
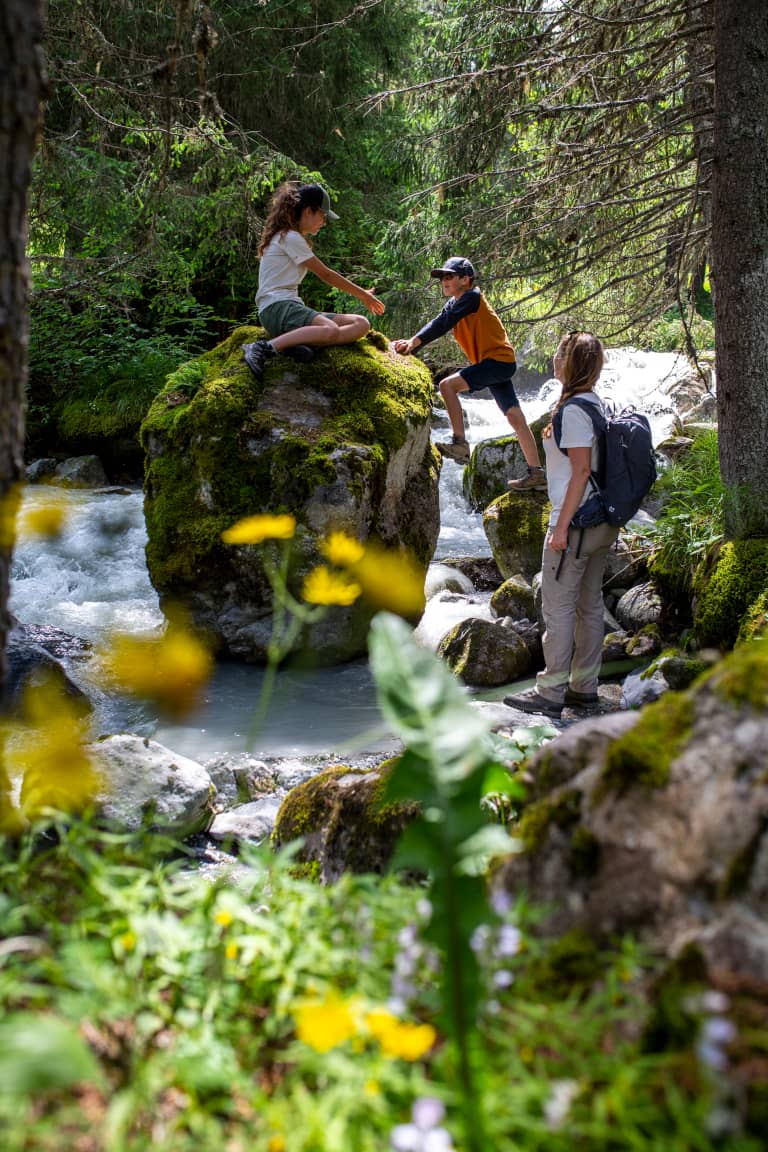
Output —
(285, 209)
(582, 362)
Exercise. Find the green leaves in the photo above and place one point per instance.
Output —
(39, 1053)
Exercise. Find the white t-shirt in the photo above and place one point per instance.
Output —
(578, 432)
(282, 268)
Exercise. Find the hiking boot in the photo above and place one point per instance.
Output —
(302, 353)
(256, 354)
(533, 702)
(581, 699)
(534, 480)
(455, 449)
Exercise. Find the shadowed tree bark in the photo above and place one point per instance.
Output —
(740, 260)
(22, 85)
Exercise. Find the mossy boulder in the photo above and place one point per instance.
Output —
(514, 599)
(516, 526)
(493, 463)
(341, 443)
(656, 822)
(343, 820)
(484, 653)
(728, 588)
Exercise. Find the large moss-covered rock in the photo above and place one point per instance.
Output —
(494, 462)
(516, 525)
(656, 822)
(341, 443)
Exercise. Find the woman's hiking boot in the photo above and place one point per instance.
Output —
(455, 449)
(534, 480)
(533, 703)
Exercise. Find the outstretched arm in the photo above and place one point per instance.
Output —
(336, 280)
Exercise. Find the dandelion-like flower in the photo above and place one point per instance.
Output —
(342, 550)
(9, 506)
(391, 580)
(47, 521)
(324, 1024)
(257, 529)
(49, 751)
(398, 1038)
(171, 669)
(322, 586)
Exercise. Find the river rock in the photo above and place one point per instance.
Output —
(81, 472)
(247, 822)
(343, 822)
(34, 653)
(492, 464)
(341, 443)
(639, 606)
(145, 784)
(445, 578)
(484, 653)
(663, 830)
(516, 525)
(514, 599)
(38, 471)
(240, 777)
(626, 561)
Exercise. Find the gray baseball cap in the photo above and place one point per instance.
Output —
(315, 196)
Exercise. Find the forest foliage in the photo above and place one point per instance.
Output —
(567, 152)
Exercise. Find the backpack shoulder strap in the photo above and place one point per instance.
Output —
(595, 414)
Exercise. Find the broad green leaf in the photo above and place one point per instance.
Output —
(39, 1053)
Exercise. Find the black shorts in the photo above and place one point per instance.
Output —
(496, 376)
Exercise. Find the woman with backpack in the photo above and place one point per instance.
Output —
(574, 558)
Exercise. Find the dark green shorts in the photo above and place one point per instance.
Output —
(286, 315)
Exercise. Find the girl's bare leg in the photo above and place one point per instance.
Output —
(323, 332)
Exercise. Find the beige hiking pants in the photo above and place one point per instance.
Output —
(573, 613)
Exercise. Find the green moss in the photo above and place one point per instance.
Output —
(727, 587)
(561, 811)
(678, 669)
(584, 853)
(742, 677)
(210, 446)
(645, 753)
(754, 623)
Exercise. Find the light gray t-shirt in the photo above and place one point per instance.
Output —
(578, 432)
(282, 268)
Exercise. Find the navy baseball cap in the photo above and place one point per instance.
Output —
(458, 264)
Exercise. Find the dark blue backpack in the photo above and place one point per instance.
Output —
(627, 466)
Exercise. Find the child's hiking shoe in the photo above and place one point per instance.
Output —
(455, 449)
(256, 355)
(581, 699)
(302, 353)
(535, 480)
(534, 703)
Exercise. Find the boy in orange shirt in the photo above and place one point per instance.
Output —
(481, 337)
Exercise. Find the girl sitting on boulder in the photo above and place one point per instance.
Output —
(296, 213)
(571, 576)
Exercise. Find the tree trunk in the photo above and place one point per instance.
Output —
(740, 260)
(22, 85)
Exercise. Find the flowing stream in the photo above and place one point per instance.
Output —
(93, 581)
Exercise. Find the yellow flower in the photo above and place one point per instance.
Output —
(371, 1088)
(323, 1024)
(391, 580)
(257, 529)
(276, 1144)
(49, 751)
(9, 506)
(341, 550)
(223, 918)
(46, 521)
(127, 941)
(231, 951)
(171, 669)
(398, 1038)
(325, 587)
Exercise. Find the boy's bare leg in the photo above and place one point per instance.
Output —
(450, 388)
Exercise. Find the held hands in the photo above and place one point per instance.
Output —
(403, 347)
